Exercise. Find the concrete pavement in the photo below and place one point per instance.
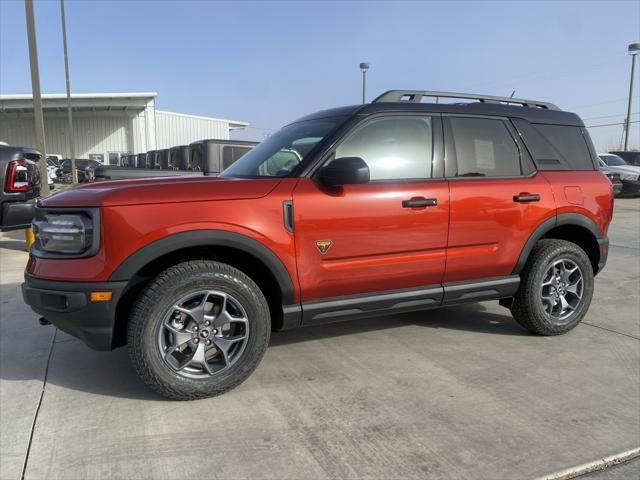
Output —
(461, 392)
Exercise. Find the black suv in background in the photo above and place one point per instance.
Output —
(20, 186)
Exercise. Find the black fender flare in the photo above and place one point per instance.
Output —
(556, 221)
(209, 238)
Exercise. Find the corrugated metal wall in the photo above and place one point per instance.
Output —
(102, 132)
(175, 129)
(93, 133)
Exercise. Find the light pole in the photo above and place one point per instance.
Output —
(38, 118)
(72, 151)
(634, 48)
(364, 67)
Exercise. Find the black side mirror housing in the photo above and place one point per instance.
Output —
(345, 171)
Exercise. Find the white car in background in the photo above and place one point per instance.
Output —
(629, 174)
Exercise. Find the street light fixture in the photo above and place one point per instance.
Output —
(364, 67)
(634, 48)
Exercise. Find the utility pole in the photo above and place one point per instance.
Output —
(38, 118)
(634, 48)
(364, 67)
(72, 151)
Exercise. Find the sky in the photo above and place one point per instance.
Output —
(269, 63)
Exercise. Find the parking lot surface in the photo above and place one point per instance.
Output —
(461, 392)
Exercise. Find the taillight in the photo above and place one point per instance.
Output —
(19, 176)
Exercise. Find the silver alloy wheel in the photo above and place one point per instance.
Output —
(203, 334)
(561, 290)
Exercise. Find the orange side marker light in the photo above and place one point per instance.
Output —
(101, 296)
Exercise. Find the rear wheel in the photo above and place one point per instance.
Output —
(199, 329)
(556, 288)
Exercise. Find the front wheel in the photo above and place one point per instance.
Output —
(198, 330)
(556, 288)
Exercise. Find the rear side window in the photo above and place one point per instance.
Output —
(231, 154)
(484, 148)
(568, 145)
(394, 147)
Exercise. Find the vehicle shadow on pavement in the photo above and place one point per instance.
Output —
(472, 317)
(75, 366)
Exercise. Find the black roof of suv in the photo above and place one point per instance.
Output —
(530, 110)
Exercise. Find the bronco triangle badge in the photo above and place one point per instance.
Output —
(323, 245)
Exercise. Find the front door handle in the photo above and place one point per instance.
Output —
(419, 202)
(526, 197)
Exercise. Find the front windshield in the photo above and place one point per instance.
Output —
(613, 160)
(282, 152)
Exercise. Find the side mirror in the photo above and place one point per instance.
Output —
(345, 171)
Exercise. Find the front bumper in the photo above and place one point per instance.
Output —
(617, 188)
(67, 305)
(630, 187)
(17, 215)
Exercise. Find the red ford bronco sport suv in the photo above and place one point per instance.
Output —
(394, 206)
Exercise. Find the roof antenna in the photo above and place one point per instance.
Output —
(512, 94)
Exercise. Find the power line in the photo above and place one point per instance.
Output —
(610, 116)
(616, 100)
(611, 124)
(550, 73)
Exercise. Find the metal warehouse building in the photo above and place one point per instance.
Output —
(106, 125)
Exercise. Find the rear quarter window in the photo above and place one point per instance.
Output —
(557, 147)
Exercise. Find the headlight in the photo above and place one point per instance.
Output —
(58, 233)
(630, 177)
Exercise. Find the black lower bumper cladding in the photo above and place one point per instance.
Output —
(68, 306)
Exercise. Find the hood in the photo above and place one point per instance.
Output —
(160, 190)
(624, 169)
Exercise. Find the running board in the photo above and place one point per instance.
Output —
(352, 307)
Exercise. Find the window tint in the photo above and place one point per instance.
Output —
(231, 154)
(394, 148)
(568, 145)
(484, 148)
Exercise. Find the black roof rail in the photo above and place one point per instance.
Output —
(415, 96)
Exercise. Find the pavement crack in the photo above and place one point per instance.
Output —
(609, 330)
(624, 247)
(35, 416)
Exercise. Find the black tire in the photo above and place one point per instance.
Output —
(527, 308)
(157, 298)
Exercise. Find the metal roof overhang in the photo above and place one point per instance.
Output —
(79, 102)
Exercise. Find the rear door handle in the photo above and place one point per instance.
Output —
(526, 197)
(419, 202)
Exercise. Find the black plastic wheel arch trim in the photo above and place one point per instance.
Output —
(209, 238)
(561, 219)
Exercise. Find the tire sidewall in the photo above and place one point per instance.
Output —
(178, 286)
(576, 255)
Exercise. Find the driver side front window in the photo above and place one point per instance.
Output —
(394, 147)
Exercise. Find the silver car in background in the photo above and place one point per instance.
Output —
(629, 174)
